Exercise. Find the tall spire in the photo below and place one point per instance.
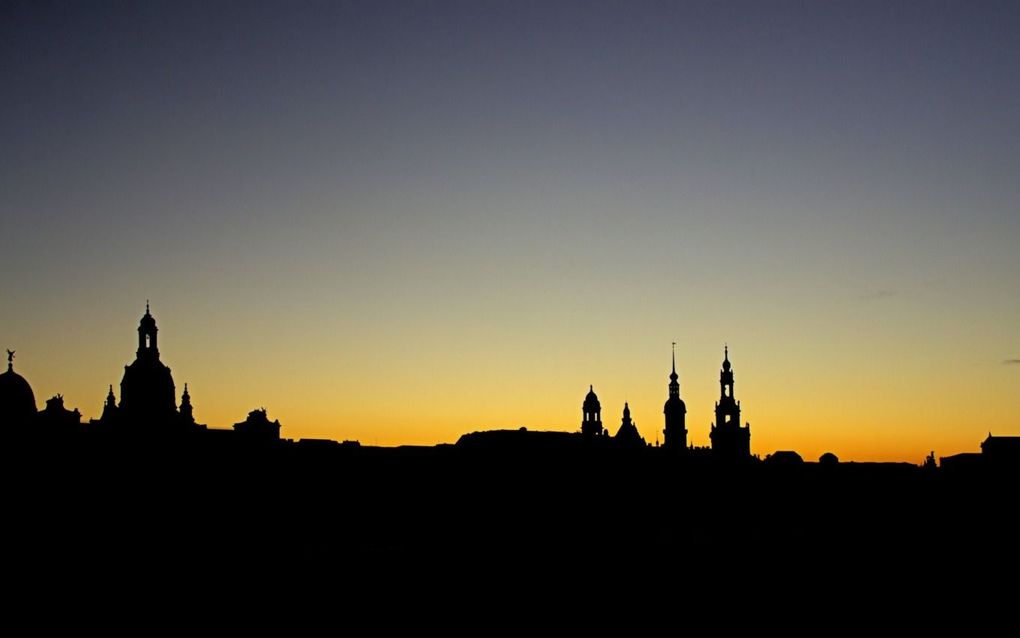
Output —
(146, 306)
(10, 360)
(675, 411)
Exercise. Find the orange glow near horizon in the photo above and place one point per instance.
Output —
(432, 392)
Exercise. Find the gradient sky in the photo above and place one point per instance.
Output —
(400, 222)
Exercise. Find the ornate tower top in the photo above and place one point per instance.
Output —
(675, 412)
(147, 335)
(674, 383)
(591, 409)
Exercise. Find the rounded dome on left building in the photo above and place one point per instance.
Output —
(17, 401)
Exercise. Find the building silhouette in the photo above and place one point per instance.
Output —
(675, 412)
(628, 435)
(591, 409)
(56, 419)
(729, 440)
(148, 397)
(17, 401)
(258, 427)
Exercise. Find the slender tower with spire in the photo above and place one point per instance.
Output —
(676, 414)
(729, 439)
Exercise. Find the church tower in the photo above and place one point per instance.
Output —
(729, 439)
(147, 332)
(591, 422)
(147, 394)
(676, 413)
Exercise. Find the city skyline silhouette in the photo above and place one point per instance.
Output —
(148, 486)
(148, 408)
(399, 223)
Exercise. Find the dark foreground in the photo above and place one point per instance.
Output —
(145, 505)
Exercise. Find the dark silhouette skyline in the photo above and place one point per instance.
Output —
(367, 224)
(147, 484)
(148, 409)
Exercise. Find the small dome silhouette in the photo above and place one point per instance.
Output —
(17, 401)
(591, 400)
(675, 403)
(828, 459)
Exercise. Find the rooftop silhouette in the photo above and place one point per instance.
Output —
(496, 492)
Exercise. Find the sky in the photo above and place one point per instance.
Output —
(398, 222)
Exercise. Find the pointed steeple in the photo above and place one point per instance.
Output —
(674, 384)
(628, 433)
(187, 412)
(111, 400)
(675, 412)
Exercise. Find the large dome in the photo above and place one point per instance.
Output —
(147, 389)
(17, 401)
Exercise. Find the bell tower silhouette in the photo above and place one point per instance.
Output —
(729, 440)
(147, 332)
(675, 412)
(147, 393)
(591, 423)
